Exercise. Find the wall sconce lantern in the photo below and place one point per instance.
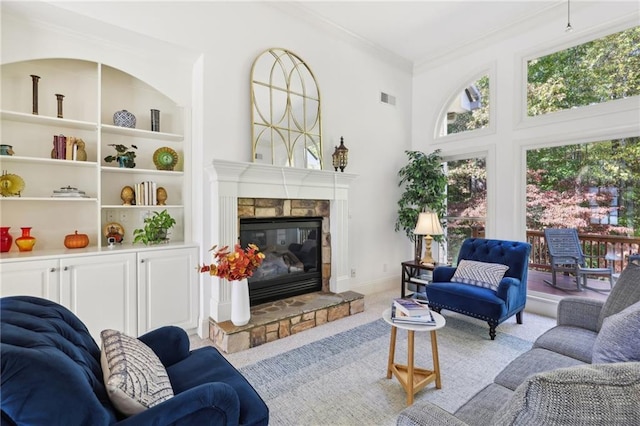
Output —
(340, 156)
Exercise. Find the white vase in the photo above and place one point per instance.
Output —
(240, 310)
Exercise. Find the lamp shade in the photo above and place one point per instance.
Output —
(428, 224)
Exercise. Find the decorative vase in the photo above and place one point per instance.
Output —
(6, 149)
(59, 98)
(34, 102)
(125, 162)
(124, 118)
(240, 309)
(26, 241)
(155, 120)
(5, 239)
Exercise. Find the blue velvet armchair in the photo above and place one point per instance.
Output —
(51, 375)
(492, 306)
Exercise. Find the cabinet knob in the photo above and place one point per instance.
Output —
(52, 270)
(141, 260)
(66, 268)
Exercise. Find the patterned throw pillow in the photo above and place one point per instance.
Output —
(481, 274)
(133, 374)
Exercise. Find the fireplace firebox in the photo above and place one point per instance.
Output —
(293, 257)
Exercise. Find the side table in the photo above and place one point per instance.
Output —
(410, 273)
(410, 377)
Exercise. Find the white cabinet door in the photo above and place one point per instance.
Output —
(33, 278)
(167, 281)
(101, 291)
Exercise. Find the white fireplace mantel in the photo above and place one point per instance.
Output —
(230, 180)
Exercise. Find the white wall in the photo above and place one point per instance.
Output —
(510, 134)
(200, 54)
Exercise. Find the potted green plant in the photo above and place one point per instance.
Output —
(155, 229)
(425, 184)
(125, 156)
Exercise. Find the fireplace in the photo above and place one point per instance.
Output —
(287, 192)
(293, 256)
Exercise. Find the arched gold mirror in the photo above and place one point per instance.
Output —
(286, 123)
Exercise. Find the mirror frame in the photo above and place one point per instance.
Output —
(287, 125)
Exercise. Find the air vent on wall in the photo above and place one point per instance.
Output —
(387, 98)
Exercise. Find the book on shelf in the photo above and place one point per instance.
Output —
(399, 317)
(421, 279)
(145, 193)
(411, 307)
(65, 147)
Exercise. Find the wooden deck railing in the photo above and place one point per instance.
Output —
(613, 250)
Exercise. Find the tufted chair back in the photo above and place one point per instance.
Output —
(514, 254)
(49, 358)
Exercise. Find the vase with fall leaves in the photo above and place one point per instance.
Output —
(236, 266)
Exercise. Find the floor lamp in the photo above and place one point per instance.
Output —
(428, 225)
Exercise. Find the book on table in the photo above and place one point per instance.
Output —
(398, 317)
(411, 307)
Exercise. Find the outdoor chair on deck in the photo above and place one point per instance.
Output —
(566, 256)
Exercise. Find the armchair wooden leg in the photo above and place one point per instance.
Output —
(492, 331)
(519, 317)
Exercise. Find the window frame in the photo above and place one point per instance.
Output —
(524, 121)
(438, 137)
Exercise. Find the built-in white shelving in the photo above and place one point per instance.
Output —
(93, 92)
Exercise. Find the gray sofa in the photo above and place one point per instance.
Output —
(583, 371)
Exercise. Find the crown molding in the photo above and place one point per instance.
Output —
(297, 10)
(518, 25)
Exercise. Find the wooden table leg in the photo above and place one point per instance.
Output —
(392, 351)
(410, 367)
(436, 362)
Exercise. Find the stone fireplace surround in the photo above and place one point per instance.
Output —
(232, 183)
(261, 208)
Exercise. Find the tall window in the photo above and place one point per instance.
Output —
(469, 109)
(466, 202)
(595, 72)
(594, 187)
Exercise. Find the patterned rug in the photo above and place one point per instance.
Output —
(341, 380)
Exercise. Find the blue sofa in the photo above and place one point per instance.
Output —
(494, 307)
(51, 375)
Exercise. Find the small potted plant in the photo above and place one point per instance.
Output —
(155, 229)
(125, 156)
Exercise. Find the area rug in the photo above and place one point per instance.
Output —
(341, 379)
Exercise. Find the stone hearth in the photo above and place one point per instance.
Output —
(276, 320)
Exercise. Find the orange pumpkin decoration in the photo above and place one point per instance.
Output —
(76, 240)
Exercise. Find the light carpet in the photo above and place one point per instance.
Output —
(341, 379)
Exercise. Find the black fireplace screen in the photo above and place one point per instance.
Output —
(292, 264)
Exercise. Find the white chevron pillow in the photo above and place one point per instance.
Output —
(133, 374)
(481, 274)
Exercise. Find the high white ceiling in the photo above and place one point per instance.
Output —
(419, 31)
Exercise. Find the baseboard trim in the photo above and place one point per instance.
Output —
(541, 306)
(379, 285)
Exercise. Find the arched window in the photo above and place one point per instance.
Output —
(469, 109)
